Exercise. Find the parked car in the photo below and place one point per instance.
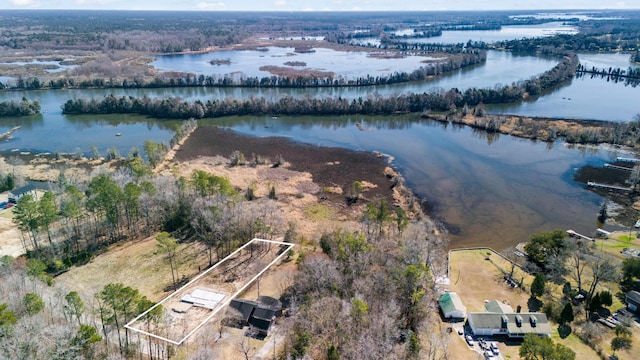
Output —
(469, 339)
(9, 205)
(488, 355)
(3, 205)
(494, 349)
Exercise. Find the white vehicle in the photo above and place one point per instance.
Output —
(494, 349)
(469, 339)
(488, 355)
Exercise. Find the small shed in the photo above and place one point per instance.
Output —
(15, 194)
(452, 307)
(632, 299)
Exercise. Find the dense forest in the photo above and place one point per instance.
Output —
(180, 31)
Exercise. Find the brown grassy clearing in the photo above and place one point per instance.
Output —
(295, 73)
(138, 264)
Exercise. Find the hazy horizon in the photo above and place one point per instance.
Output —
(312, 5)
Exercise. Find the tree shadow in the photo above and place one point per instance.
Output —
(534, 304)
(564, 331)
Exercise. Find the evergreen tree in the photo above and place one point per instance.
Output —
(538, 285)
(566, 316)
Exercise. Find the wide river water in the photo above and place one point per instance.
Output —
(490, 191)
(494, 191)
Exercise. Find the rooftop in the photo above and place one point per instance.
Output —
(633, 296)
(23, 190)
(497, 307)
(515, 323)
(451, 302)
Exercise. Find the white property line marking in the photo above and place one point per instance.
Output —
(220, 306)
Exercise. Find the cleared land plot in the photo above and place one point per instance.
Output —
(138, 264)
(189, 308)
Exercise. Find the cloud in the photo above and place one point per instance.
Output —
(97, 2)
(25, 3)
(280, 3)
(206, 5)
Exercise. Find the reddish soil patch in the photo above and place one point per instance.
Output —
(328, 166)
(293, 73)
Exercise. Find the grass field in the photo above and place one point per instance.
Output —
(477, 275)
(137, 264)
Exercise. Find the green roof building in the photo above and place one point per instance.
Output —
(452, 307)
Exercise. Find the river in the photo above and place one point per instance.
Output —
(489, 190)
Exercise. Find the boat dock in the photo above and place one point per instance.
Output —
(578, 235)
(605, 186)
(618, 167)
(626, 159)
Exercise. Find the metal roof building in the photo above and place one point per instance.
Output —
(499, 319)
(452, 307)
(632, 299)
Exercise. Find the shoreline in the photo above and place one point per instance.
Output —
(538, 128)
(333, 169)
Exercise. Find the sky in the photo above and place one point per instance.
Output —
(317, 5)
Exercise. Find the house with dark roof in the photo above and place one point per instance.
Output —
(15, 194)
(632, 299)
(260, 316)
(500, 319)
(262, 319)
(245, 309)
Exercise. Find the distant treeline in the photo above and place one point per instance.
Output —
(174, 108)
(632, 73)
(23, 107)
(576, 42)
(456, 60)
(415, 35)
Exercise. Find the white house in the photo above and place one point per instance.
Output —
(499, 319)
(16, 194)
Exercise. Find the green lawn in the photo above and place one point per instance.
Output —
(7, 213)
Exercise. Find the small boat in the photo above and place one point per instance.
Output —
(118, 134)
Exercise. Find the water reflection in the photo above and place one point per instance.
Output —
(25, 122)
(490, 189)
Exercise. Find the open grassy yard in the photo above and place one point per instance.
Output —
(477, 275)
(138, 264)
(616, 242)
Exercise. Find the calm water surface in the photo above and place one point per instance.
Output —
(493, 191)
(507, 32)
(586, 97)
(247, 63)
